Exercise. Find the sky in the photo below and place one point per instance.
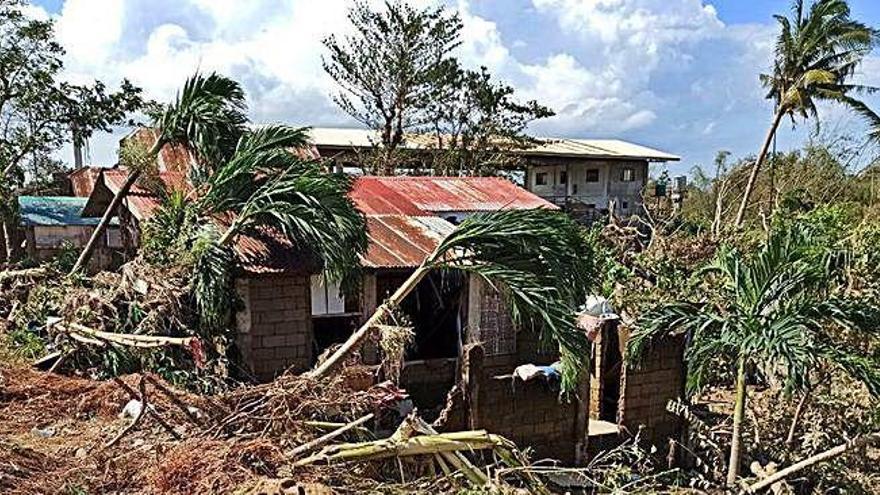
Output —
(677, 75)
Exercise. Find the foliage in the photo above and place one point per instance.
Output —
(263, 185)
(774, 311)
(39, 111)
(208, 115)
(818, 50)
(478, 125)
(390, 67)
(164, 235)
(533, 258)
(399, 77)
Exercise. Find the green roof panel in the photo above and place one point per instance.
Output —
(53, 211)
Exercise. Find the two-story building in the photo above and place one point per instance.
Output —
(584, 176)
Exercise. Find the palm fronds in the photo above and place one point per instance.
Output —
(774, 309)
(534, 259)
(208, 115)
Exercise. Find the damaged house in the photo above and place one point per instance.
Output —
(468, 366)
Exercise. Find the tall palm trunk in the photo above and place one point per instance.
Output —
(101, 228)
(762, 156)
(738, 414)
(363, 332)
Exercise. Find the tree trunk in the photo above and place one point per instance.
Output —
(762, 155)
(101, 228)
(358, 338)
(7, 241)
(739, 409)
(789, 440)
(856, 443)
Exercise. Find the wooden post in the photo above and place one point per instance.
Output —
(472, 374)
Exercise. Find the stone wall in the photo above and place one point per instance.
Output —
(275, 325)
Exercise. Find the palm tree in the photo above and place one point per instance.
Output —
(775, 310)
(817, 54)
(264, 185)
(207, 117)
(535, 258)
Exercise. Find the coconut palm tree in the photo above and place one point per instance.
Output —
(535, 258)
(263, 185)
(207, 117)
(774, 310)
(817, 54)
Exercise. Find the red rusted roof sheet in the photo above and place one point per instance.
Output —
(140, 201)
(418, 195)
(82, 180)
(400, 241)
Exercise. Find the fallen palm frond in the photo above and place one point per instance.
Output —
(533, 258)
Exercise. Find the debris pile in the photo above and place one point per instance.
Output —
(138, 434)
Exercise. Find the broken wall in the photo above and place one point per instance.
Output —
(648, 386)
(528, 413)
(274, 324)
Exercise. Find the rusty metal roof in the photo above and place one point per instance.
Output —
(612, 149)
(434, 195)
(140, 201)
(401, 212)
(400, 241)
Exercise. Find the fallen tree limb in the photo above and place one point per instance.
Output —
(420, 445)
(28, 273)
(86, 335)
(855, 443)
(309, 446)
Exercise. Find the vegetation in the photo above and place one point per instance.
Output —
(398, 75)
(40, 112)
(817, 53)
(207, 117)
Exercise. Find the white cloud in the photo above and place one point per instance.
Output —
(656, 71)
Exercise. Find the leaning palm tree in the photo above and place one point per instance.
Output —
(206, 117)
(817, 54)
(534, 258)
(262, 187)
(774, 310)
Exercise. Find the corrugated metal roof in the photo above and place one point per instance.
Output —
(53, 211)
(140, 201)
(550, 146)
(418, 195)
(267, 251)
(400, 241)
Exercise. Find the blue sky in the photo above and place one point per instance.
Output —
(679, 75)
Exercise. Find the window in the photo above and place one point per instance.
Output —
(574, 188)
(326, 297)
(592, 175)
(563, 177)
(541, 179)
(627, 175)
(624, 205)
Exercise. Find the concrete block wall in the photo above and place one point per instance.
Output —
(646, 389)
(275, 325)
(529, 413)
